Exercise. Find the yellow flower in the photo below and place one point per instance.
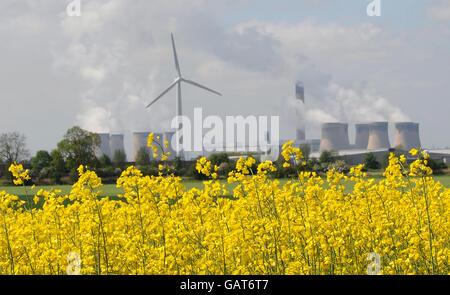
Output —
(308, 225)
(150, 139)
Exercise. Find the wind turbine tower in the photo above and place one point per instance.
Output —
(177, 82)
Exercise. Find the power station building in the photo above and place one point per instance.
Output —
(371, 137)
(104, 148)
(407, 135)
(109, 144)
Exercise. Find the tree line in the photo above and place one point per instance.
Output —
(78, 147)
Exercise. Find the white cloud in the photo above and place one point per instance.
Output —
(440, 11)
(99, 70)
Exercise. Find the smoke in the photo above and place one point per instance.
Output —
(116, 64)
(339, 104)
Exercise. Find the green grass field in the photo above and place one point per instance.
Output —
(112, 191)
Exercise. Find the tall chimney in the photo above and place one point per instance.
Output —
(407, 135)
(378, 136)
(300, 96)
(362, 136)
(104, 148)
(139, 141)
(117, 143)
(334, 137)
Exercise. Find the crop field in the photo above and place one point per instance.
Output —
(111, 190)
(251, 224)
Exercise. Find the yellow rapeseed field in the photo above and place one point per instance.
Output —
(397, 226)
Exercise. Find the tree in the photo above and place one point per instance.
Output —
(217, 159)
(306, 151)
(143, 156)
(436, 165)
(78, 148)
(58, 165)
(119, 158)
(104, 161)
(371, 162)
(13, 147)
(327, 157)
(41, 160)
(178, 166)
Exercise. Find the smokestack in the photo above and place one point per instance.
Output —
(139, 141)
(378, 136)
(116, 143)
(334, 137)
(104, 148)
(300, 96)
(407, 135)
(362, 136)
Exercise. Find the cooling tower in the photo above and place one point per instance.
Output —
(139, 141)
(407, 135)
(104, 148)
(361, 136)
(334, 137)
(116, 143)
(378, 136)
(168, 136)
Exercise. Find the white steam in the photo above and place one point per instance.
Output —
(340, 104)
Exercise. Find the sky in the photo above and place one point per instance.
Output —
(100, 69)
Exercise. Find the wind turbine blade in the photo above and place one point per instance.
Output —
(177, 64)
(162, 94)
(201, 86)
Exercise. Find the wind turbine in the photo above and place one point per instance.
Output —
(177, 82)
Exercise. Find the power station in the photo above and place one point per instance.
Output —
(369, 136)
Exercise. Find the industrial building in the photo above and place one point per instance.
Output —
(378, 136)
(334, 137)
(117, 143)
(370, 137)
(140, 140)
(104, 148)
(109, 144)
(300, 96)
(407, 135)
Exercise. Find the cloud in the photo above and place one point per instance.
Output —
(440, 11)
(101, 69)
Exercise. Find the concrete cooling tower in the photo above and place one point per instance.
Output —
(104, 148)
(407, 135)
(334, 137)
(378, 136)
(139, 141)
(116, 143)
(362, 136)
